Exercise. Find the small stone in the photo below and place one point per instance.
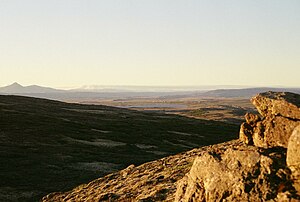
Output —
(258, 135)
(246, 133)
(126, 171)
(252, 119)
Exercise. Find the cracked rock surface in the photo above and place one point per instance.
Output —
(265, 168)
(241, 173)
(280, 115)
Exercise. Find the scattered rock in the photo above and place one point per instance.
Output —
(152, 181)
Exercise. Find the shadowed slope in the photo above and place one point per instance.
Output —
(48, 146)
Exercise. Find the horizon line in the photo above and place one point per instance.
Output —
(99, 86)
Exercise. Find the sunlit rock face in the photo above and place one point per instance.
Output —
(293, 157)
(280, 115)
(266, 167)
(241, 173)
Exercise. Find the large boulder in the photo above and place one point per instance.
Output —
(244, 173)
(273, 131)
(293, 157)
(280, 115)
(278, 103)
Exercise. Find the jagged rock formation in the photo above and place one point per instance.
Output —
(280, 115)
(257, 171)
(240, 173)
(263, 165)
(283, 104)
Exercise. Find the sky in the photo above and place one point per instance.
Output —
(70, 43)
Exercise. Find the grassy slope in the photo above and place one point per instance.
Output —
(43, 143)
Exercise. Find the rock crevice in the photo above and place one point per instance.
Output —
(280, 114)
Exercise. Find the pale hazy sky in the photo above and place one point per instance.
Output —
(66, 43)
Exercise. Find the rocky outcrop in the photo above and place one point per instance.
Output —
(259, 170)
(293, 157)
(263, 165)
(280, 115)
(244, 173)
(283, 104)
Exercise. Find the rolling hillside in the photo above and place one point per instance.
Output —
(49, 146)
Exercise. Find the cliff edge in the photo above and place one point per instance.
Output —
(263, 165)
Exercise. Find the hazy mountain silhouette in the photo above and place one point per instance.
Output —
(112, 92)
(16, 88)
(131, 92)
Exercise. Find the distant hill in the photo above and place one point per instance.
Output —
(131, 92)
(16, 88)
(78, 94)
(246, 92)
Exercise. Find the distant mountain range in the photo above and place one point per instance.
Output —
(16, 88)
(105, 92)
(132, 92)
